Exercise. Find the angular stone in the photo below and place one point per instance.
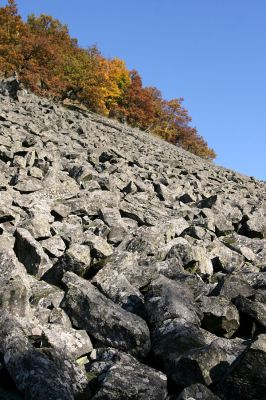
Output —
(230, 286)
(99, 247)
(116, 286)
(61, 211)
(193, 257)
(126, 263)
(226, 259)
(220, 316)
(125, 378)
(254, 309)
(255, 226)
(174, 338)
(39, 226)
(90, 310)
(73, 343)
(78, 259)
(166, 299)
(247, 378)
(15, 290)
(30, 253)
(208, 364)
(31, 370)
(197, 392)
(55, 246)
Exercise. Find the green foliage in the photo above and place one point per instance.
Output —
(50, 62)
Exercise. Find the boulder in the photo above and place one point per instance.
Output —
(15, 290)
(220, 316)
(166, 299)
(106, 321)
(247, 378)
(119, 376)
(208, 364)
(30, 253)
(197, 392)
(33, 373)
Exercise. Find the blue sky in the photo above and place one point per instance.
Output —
(211, 52)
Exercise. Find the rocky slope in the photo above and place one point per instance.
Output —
(130, 269)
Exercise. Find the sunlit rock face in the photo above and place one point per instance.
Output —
(130, 268)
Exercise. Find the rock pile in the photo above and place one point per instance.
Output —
(130, 269)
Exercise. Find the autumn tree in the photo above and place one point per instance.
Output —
(136, 105)
(12, 30)
(50, 62)
(117, 80)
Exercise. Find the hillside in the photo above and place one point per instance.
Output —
(130, 268)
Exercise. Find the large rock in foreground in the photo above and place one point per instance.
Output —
(90, 310)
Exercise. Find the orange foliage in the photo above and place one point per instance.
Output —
(50, 62)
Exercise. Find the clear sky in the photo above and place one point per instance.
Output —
(211, 52)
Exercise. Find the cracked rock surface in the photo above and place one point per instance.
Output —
(129, 268)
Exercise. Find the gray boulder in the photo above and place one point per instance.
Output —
(119, 376)
(246, 379)
(220, 316)
(166, 299)
(30, 253)
(197, 392)
(15, 290)
(106, 321)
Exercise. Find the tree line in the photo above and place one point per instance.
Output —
(49, 62)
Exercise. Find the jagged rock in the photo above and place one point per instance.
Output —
(166, 300)
(76, 259)
(70, 230)
(255, 226)
(191, 256)
(28, 186)
(61, 211)
(225, 259)
(172, 339)
(39, 223)
(197, 392)
(126, 263)
(90, 310)
(116, 286)
(253, 249)
(220, 316)
(207, 364)
(45, 300)
(31, 254)
(119, 376)
(73, 343)
(254, 309)
(97, 227)
(230, 286)
(54, 246)
(15, 290)
(99, 247)
(247, 378)
(20, 358)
